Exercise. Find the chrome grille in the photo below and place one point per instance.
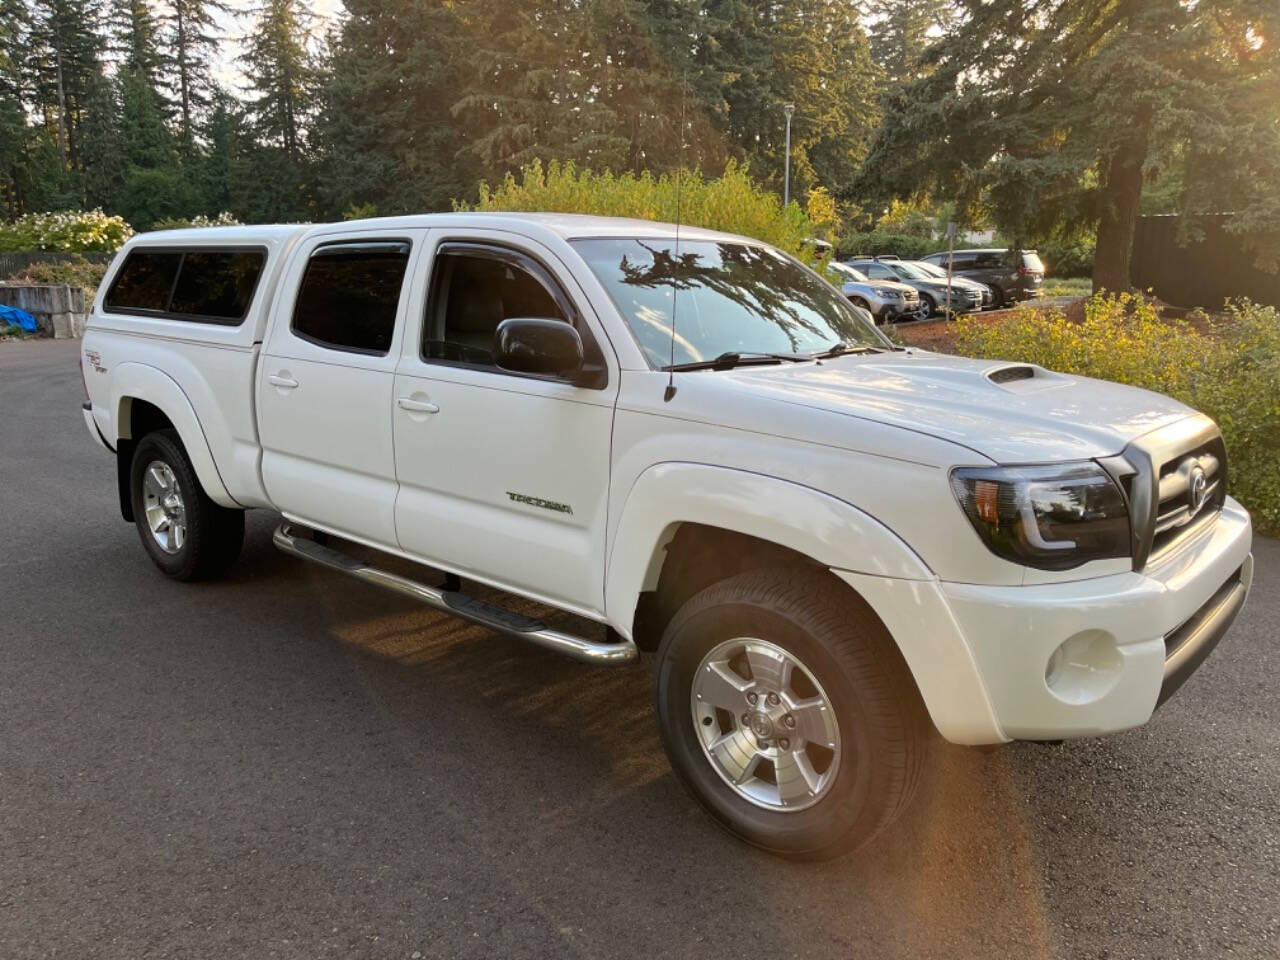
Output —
(1190, 489)
(1176, 482)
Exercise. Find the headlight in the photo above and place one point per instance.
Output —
(1052, 518)
(885, 292)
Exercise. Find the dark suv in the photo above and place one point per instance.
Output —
(1011, 277)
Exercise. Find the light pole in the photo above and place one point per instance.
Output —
(788, 109)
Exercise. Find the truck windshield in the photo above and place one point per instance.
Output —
(729, 298)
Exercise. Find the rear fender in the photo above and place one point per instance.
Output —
(143, 382)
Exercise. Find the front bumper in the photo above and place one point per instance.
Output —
(1051, 661)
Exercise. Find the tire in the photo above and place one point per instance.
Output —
(845, 656)
(998, 299)
(202, 539)
(929, 305)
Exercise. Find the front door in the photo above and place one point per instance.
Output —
(325, 385)
(503, 476)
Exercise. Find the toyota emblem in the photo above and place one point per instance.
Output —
(1199, 485)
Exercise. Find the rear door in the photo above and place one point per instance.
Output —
(325, 383)
(503, 476)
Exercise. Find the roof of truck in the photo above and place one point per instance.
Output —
(570, 226)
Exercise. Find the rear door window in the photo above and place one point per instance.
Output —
(216, 284)
(350, 295)
(201, 285)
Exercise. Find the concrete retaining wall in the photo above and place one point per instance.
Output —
(58, 308)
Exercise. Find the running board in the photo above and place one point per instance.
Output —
(458, 604)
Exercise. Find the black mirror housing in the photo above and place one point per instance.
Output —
(538, 345)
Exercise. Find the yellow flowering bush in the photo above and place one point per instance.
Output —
(733, 202)
(1227, 367)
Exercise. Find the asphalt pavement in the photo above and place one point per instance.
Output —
(286, 763)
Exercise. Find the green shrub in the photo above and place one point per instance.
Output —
(1229, 369)
(76, 272)
(91, 231)
(733, 203)
(876, 243)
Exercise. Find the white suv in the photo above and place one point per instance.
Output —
(834, 546)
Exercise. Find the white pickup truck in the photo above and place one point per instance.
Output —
(834, 545)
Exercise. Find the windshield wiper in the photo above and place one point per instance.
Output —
(838, 349)
(733, 358)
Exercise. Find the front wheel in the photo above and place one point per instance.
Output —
(788, 712)
(187, 535)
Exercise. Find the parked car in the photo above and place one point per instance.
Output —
(1011, 277)
(690, 445)
(988, 299)
(933, 292)
(886, 300)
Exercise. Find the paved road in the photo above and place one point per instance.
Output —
(287, 764)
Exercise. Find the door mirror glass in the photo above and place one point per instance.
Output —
(537, 345)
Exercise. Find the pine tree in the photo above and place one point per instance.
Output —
(384, 132)
(1053, 117)
(901, 30)
(134, 39)
(65, 54)
(191, 38)
(280, 71)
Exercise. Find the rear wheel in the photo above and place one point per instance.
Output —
(998, 298)
(788, 712)
(928, 306)
(187, 535)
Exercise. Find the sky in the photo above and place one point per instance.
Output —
(235, 24)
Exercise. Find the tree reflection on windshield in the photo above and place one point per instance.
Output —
(732, 297)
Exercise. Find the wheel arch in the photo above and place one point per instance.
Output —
(143, 399)
(694, 523)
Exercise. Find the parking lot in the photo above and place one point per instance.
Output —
(289, 764)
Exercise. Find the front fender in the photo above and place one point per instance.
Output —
(857, 547)
(139, 381)
(824, 528)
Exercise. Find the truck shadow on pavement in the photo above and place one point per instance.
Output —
(567, 761)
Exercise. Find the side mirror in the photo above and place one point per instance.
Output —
(535, 345)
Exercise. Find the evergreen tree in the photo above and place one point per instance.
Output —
(14, 29)
(384, 132)
(65, 54)
(134, 36)
(901, 30)
(191, 38)
(280, 72)
(1053, 116)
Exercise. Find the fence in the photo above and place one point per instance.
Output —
(1203, 273)
(13, 263)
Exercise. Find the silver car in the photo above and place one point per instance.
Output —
(886, 300)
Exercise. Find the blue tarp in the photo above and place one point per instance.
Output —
(13, 317)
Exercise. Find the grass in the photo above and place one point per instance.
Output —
(1068, 287)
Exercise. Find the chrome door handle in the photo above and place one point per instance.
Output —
(416, 406)
(276, 380)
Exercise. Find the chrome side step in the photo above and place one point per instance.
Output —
(457, 603)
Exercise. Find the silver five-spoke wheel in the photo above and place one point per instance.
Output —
(162, 501)
(765, 724)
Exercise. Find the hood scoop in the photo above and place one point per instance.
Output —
(1011, 374)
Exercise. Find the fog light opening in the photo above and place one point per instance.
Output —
(1084, 667)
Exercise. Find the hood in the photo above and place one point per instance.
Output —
(1008, 412)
